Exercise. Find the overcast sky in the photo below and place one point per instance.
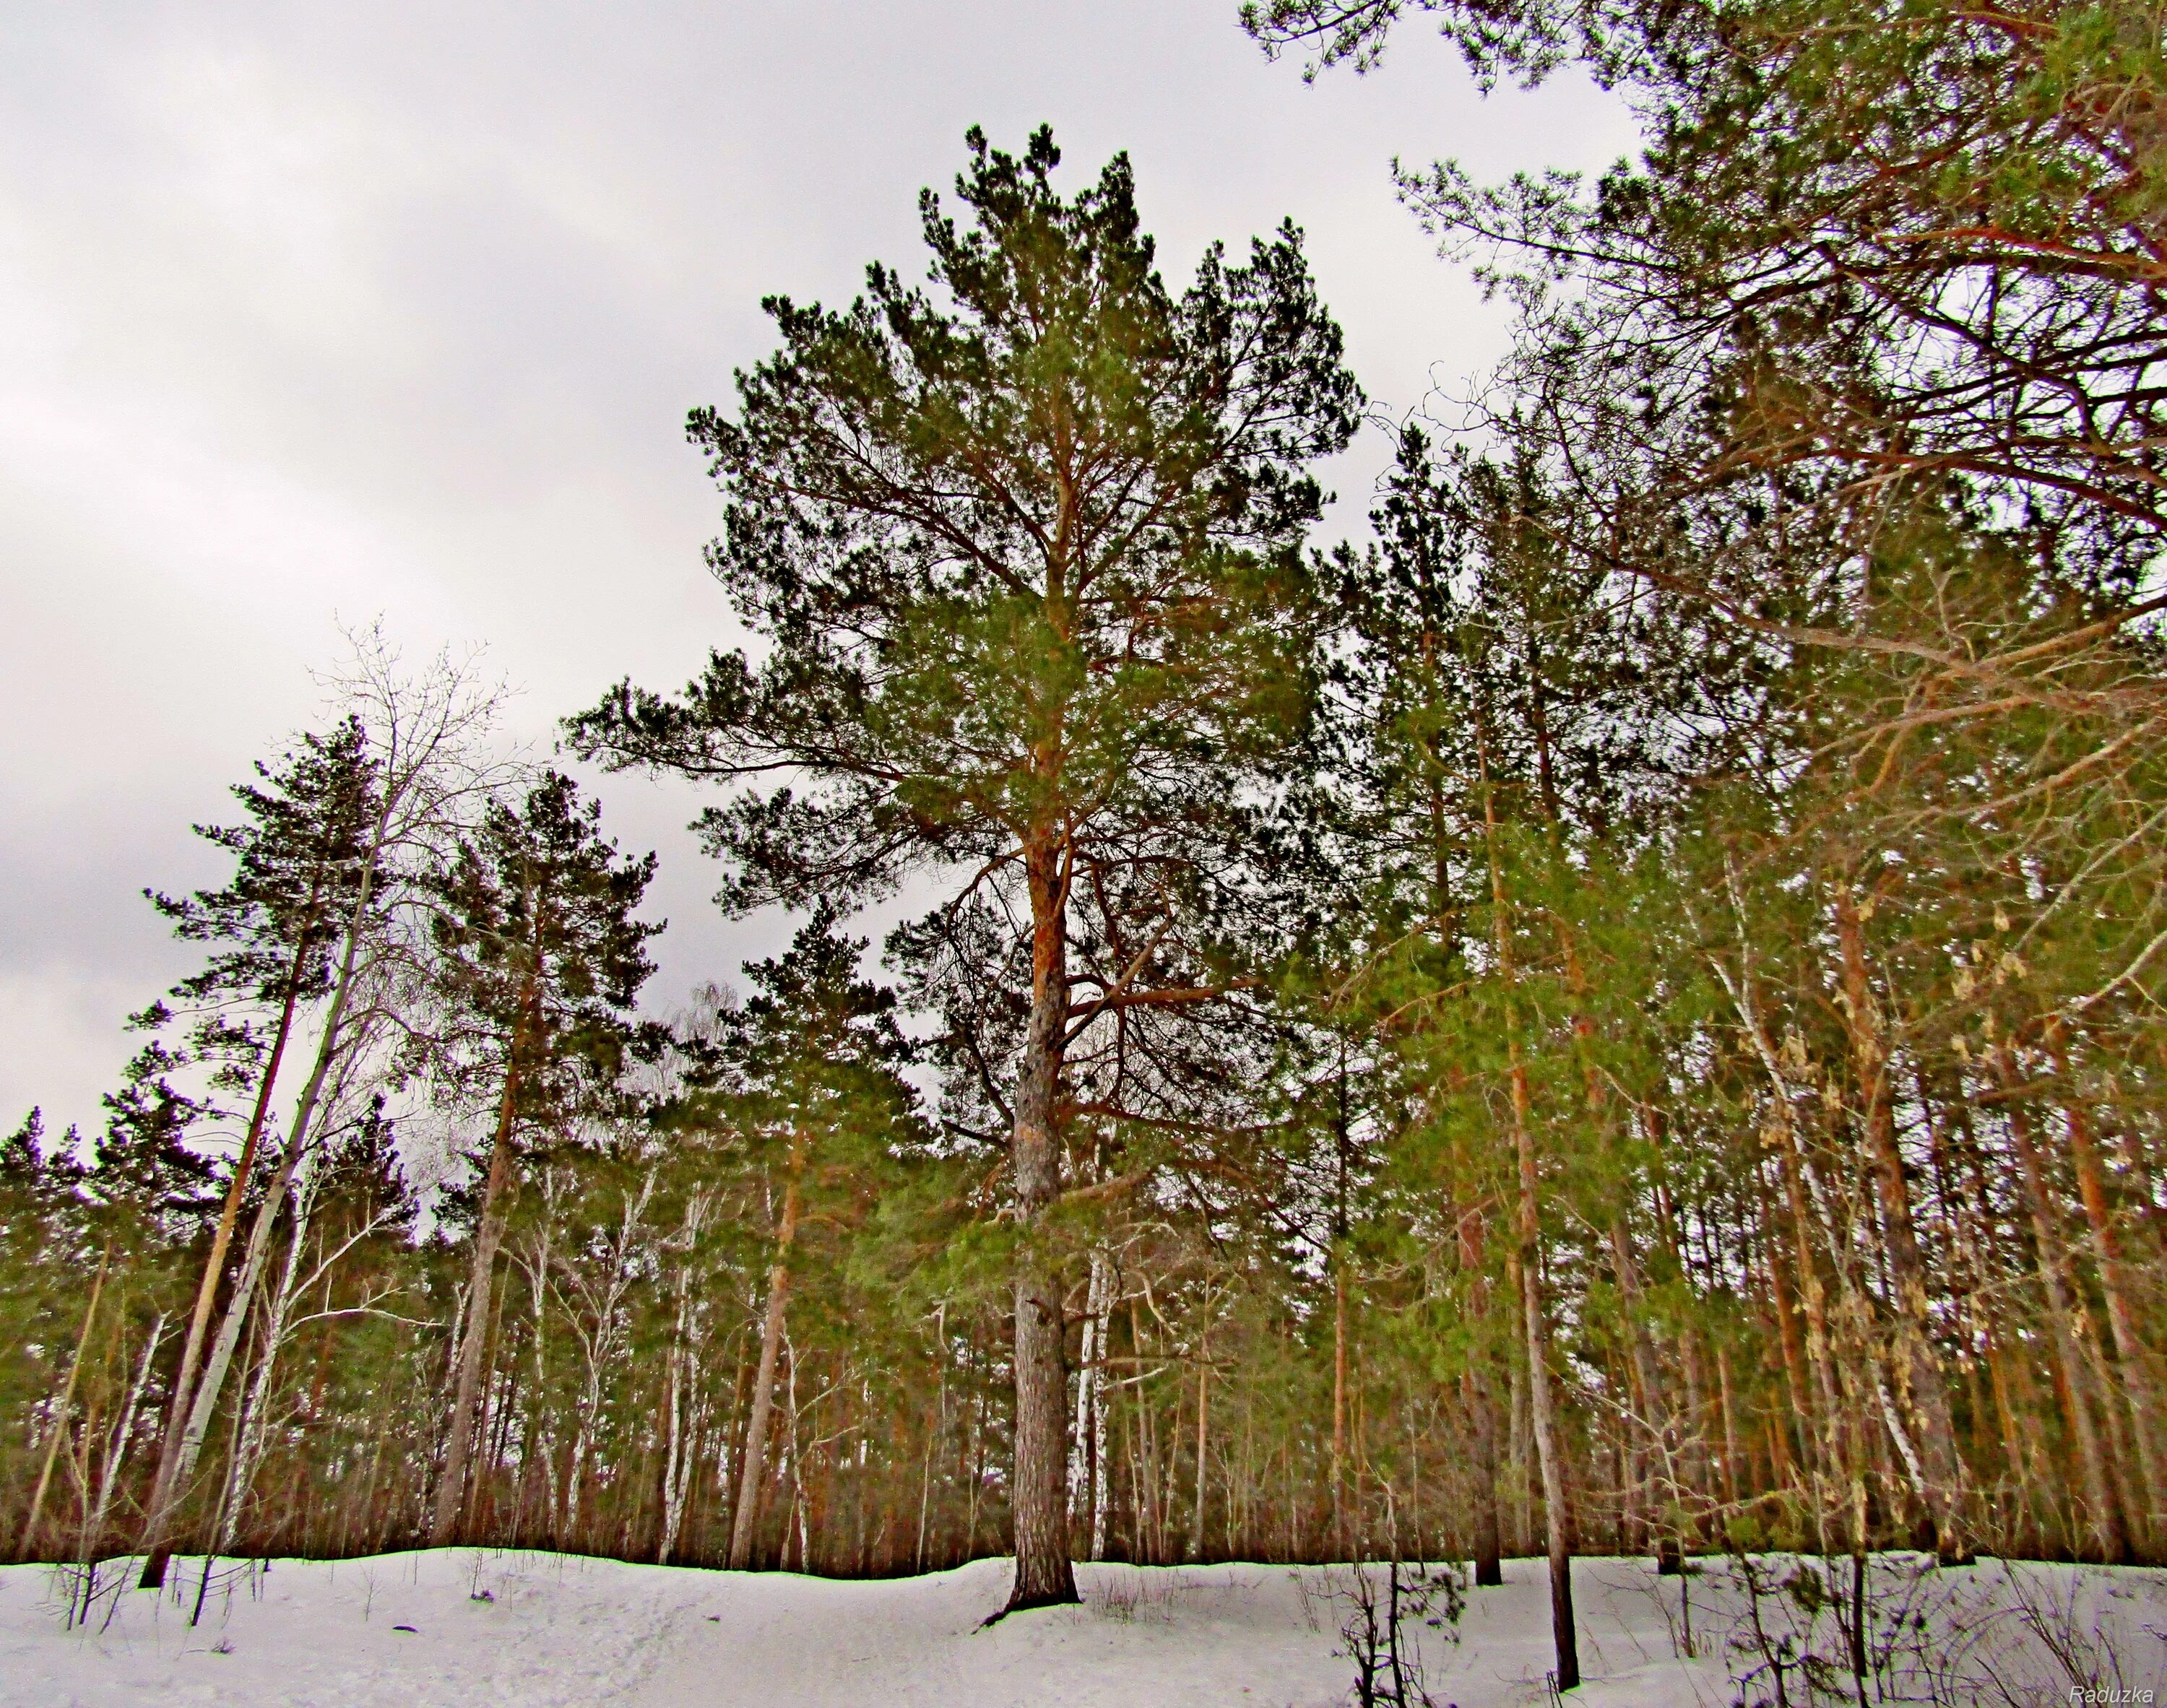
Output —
(320, 312)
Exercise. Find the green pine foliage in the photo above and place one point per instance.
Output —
(1637, 985)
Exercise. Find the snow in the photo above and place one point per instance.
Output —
(516, 1629)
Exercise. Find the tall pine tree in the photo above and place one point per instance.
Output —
(541, 961)
(1023, 554)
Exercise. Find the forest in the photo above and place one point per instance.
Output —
(1619, 1011)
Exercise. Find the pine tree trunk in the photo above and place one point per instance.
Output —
(1169, 1464)
(1922, 1396)
(2104, 1519)
(1541, 1411)
(2133, 1358)
(1203, 1445)
(26, 1545)
(1787, 1331)
(752, 1469)
(237, 1189)
(1482, 1413)
(1550, 1452)
(1038, 1505)
(176, 1458)
(1657, 1427)
(1985, 1267)
(1339, 1545)
(168, 1491)
(1482, 1420)
(1730, 1469)
(488, 1235)
(1693, 1437)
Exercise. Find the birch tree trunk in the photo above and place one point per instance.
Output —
(122, 1437)
(253, 1424)
(673, 1429)
(678, 1463)
(1823, 1428)
(1087, 1478)
(1656, 1429)
(1203, 1448)
(681, 1462)
(600, 1345)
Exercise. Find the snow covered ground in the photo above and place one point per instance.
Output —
(487, 1630)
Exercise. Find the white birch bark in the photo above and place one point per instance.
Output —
(252, 1432)
(251, 1426)
(602, 1330)
(677, 1462)
(1087, 1470)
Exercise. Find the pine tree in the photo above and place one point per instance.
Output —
(299, 864)
(541, 961)
(422, 732)
(45, 1245)
(1025, 557)
(149, 1184)
(812, 1088)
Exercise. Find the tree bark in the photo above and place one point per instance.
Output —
(28, 1543)
(1482, 1421)
(1203, 1445)
(213, 1270)
(488, 1235)
(1920, 1393)
(251, 1422)
(681, 1457)
(1549, 1450)
(1557, 1516)
(1482, 1415)
(1038, 1508)
(116, 1445)
(191, 1409)
(1657, 1428)
(2133, 1357)
(1339, 1545)
(1825, 1439)
(172, 1482)
(1787, 1329)
(752, 1469)
(1729, 1425)
(2104, 1517)
(1088, 1477)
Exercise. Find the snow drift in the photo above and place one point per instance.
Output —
(457, 1627)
